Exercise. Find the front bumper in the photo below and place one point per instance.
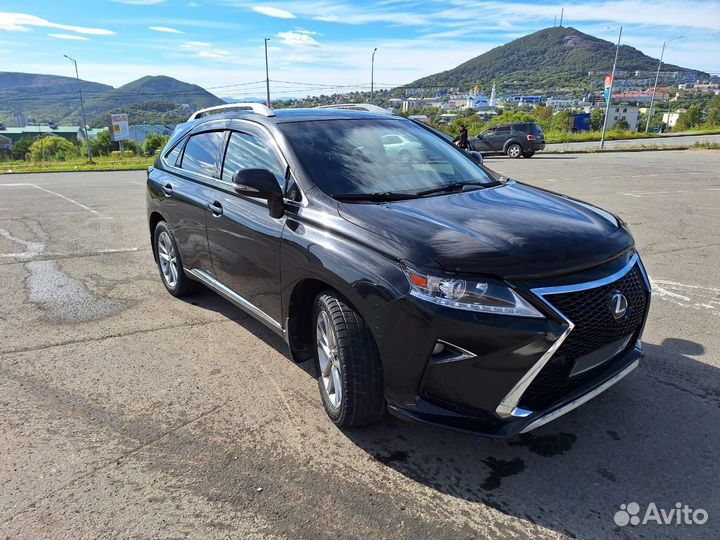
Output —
(499, 375)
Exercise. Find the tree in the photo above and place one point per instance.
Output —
(713, 112)
(597, 117)
(689, 120)
(21, 147)
(621, 124)
(153, 142)
(52, 148)
(100, 145)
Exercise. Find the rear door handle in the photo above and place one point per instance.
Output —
(167, 189)
(215, 208)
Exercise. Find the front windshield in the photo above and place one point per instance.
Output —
(369, 156)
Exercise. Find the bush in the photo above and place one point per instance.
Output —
(154, 142)
(52, 148)
(21, 148)
(621, 125)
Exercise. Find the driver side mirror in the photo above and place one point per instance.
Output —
(260, 183)
(477, 157)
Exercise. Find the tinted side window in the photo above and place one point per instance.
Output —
(171, 158)
(523, 128)
(201, 152)
(503, 131)
(248, 152)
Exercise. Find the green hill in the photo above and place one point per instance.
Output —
(156, 100)
(551, 58)
(42, 97)
(151, 90)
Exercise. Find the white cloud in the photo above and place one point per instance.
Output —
(21, 22)
(69, 37)
(298, 38)
(195, 45)
(273, 12)
(165, 29)
(202, 49)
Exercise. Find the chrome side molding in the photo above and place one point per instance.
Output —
(235, 298)
(581, 400)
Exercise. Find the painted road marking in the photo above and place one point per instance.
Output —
(98, 215)
(706, 299)
(641, 194)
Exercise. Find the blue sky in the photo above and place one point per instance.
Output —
(320, 45)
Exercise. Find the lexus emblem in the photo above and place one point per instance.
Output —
(618, 305)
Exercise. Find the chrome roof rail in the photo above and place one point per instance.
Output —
(257, 108)
(367, 107)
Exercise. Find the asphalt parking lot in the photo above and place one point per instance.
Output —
(127, 413)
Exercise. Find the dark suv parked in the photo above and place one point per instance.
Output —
(515, 140)
(431, 287)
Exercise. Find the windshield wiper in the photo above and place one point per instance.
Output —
(374, 197)
(455, 186)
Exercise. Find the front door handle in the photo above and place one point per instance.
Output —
(215, 208)
(167, 189)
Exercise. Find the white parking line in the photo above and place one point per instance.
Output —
(65, 254)
(706, 299)
(81, 205)
(641, 194)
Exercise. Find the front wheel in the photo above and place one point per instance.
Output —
(348, 364)
(514, 151)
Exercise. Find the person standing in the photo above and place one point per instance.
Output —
(461, 141)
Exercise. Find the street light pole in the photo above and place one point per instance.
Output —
(657, 75)
(267, 75)
(609, 99)
(372, 74)
(82, 109)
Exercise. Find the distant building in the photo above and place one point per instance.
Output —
(561, 103)
(630, 113)
(20, 120)
(477, 101)
(670, 119)
(139, 132)
(92, 133)
(16, 133)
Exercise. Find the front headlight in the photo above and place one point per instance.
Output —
(482, 296)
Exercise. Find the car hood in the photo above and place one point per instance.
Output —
(510, 231)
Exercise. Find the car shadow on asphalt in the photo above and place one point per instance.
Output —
(648, 439)
(641, 441)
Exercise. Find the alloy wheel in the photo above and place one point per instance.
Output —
(168, 259)
(330, 367)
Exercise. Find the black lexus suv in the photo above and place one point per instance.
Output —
(433, 288)
(516, 140)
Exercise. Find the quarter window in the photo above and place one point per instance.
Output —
(248, 152)
(171, 158)
(201, 152)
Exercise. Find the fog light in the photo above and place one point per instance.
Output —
(438, 348)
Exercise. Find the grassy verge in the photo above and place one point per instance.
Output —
(638, 148)
(614, 135)
(101, 163)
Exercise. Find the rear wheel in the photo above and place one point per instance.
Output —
(348, 363)
(169, 263)
(514, 151)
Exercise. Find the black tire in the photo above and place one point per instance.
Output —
(181, 285)
(514, 150)
(362, 399)
(528, 154)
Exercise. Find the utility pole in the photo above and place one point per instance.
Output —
(267, 75)
(657, 75)
(609, 99)
(372, 75)
(82, 109)
(562, 12)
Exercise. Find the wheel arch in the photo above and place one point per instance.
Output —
(154, 218)
(510, 142)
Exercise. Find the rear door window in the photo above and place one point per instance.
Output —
(202, 152)
(503, 131)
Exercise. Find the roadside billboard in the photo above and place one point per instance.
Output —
(608, 87)
(119, 128)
